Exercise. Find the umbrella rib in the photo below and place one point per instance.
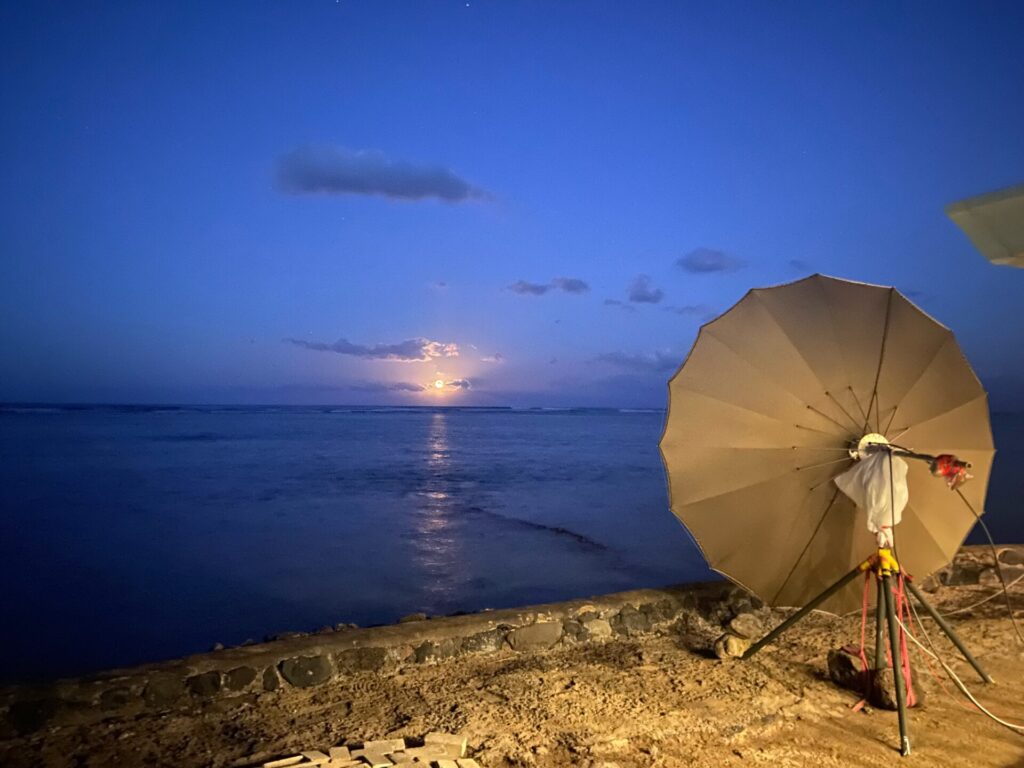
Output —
(840, 407)
(803, 552)
(825, 463)
(944, 414)
(881, 358)
(857, 401)
(825, 415)
(924, 369)
(819, 431)
(891, 419)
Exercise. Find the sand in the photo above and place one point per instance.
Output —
(654, 701)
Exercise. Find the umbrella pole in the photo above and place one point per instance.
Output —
(944, 626)
(880, 662)
(897, 669)
(808, 608)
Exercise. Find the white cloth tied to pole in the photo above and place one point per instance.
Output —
(867, 483)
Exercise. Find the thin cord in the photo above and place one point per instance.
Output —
(986, 599)
(995, 557)
(960, 684)
(931, 645)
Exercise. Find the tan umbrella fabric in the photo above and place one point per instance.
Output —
(764, 408)
(994, 223)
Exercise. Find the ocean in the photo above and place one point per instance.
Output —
(130, 534)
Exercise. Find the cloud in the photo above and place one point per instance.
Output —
(642, 292)
(702, 260)
(659, 362)
(497, 357)
(463, 384)
(570, 284)
(564, 284)
(702, 311)
(387, 386)
(619, 304)
(410, 350)
(332, 170)
(523, 288)
(800, 265)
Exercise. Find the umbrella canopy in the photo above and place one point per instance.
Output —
(762, 413)
(994, 223)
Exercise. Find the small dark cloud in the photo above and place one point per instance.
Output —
(702, 260)
(387, 386)
(564, 284)
(659, 362)
(701, 311)
(463, 384)
(620, 304)
(800, 265)
(497, 357)
(524, 288)
(570, 284)
(642, 292)
(410, 350)
(332, 170)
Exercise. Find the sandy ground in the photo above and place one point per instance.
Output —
(652, 701)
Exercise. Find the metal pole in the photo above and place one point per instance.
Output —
(944, 626)
(805, 610)
(880, 662)
(897, 669)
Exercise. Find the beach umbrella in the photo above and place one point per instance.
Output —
(994, 223)
(763, 413)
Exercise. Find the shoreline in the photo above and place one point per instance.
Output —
(245, 676)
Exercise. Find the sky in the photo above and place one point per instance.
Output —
(480, 203)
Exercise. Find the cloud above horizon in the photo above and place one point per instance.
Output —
(705, 260)
(642, 292)
(619, 304)
(331, 170)
(570, 284)
(564, 284)
(408, 351)
(702, 311)
(659, 362)
(387, 386)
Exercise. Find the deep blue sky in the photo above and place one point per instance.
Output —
(195, 197)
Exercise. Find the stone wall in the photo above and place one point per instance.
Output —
(237, 675)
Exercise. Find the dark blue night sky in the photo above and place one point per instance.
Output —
(531, 203)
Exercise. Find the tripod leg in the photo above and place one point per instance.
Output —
(880, 662)
(944, 626)
(897, 669)
(804, 611)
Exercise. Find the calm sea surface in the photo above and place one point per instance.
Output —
(132, 534)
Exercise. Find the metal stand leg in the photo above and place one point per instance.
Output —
(805, 610)
(944, 626)
(897, 670)
(880, 662)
